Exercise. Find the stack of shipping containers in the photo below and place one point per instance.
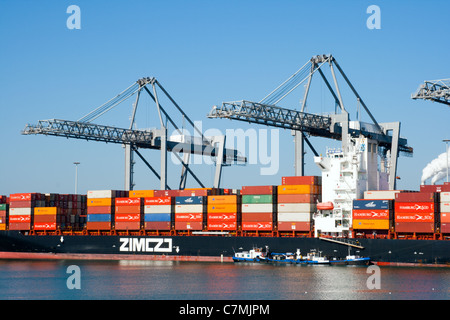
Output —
(60, 211)
(158, 213)
(222, 213)
(3, 212)
(258, 208)
(416, 212)
(190, 213)
(297, 201)
(100, 208)
(445, 212)
(372, 215)
(21, 209)
(128, 213)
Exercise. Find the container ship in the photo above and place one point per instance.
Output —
(353, 205)
(207, 224)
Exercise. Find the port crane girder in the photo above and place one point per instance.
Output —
(333, 126)
(134, 139)
(434, 90)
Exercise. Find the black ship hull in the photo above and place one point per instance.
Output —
(16, 245)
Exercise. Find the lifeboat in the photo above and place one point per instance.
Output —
(325, 205)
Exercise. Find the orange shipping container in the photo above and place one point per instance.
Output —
(222, 208)
(257, 226)
(186, 217)
(127, 217)
(294, 226)
(46, 211)
(99, 202)
(128, 209)
(298, 189)
(298, 198)
(141, 193)
(229, 199)
(222, 217)
(217, 226)
(2, 226)
(445, 217)
(369, 224)
(128, 201)
(371, 214)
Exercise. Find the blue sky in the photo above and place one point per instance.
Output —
(204, 53)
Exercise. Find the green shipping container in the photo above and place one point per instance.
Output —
(264, 198)
(3, 206)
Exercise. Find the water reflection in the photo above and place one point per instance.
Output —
(176, 280)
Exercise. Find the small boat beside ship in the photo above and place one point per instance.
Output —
(259, 255)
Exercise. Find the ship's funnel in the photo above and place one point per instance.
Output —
(436, 169)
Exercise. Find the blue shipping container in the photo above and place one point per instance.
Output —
(189, 200)
(372, 204)
(156, 217)
(99, 217)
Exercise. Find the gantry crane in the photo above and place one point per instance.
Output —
(334, 126)
(134, 139)
(434, 90)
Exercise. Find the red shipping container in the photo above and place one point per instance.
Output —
(445, 217)
(19, 226)
(188, 217)
(156, 225)
(257, 226)
(154, 201)
(98, 225)
(222, 217)
(188, 225)
(46, 218)
(301, 180)
(434, 188)
(24, 196)
(195, 193)
(167, 193)
(415, 197)
(416, 207)
(257, 217)
(409, 227)
(294, 226)
(255, 190)
(370, 214)
(3, 199)
(120, 217)
(20, 219)
(415, 217)
(128, 201)
(127, 225)
(45, 226)
(23, 204)
(129, 209)
(218, 226)
(298, 198)
(445, 227)
(100, 210)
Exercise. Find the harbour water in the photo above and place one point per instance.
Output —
(168, 280)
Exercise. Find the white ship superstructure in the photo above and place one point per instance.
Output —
(346, 173)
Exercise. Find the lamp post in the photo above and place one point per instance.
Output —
(446, 149)
(76, 176)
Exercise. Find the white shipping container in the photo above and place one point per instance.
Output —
(445, 206)
(189, 208)
(257, 207)
(294, 216)
(157, 209)
(20, 211)
(445, 196)
(297, 207)
(98, 194)
(380, 194)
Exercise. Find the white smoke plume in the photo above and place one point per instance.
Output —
(436, 169)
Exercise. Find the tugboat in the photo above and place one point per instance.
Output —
(254, 255)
